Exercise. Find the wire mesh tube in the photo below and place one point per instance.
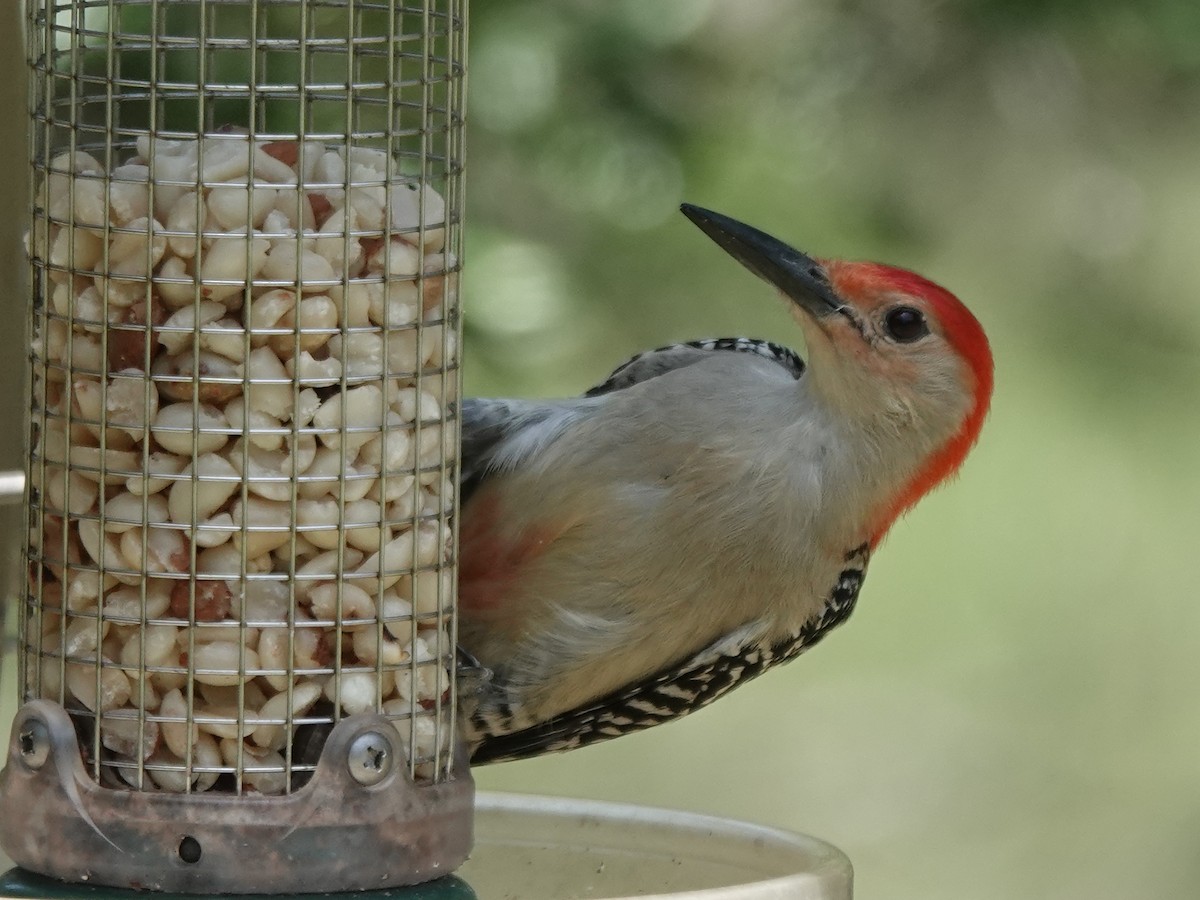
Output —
(245, 245)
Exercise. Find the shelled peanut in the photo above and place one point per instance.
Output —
(243, 455)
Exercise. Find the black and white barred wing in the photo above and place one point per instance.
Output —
(674, 692)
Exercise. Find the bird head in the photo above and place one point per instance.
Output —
(888, 349)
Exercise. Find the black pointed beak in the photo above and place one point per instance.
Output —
(799, 276)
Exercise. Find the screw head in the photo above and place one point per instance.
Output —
(33, 739)
(370, 758)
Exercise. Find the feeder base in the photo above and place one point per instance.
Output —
(333, 834)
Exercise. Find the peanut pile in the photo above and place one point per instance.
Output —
(242, 456)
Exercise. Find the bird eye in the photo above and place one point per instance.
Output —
(906, 324)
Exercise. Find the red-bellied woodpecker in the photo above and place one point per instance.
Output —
(708, 511)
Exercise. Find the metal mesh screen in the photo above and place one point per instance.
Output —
(245, 244)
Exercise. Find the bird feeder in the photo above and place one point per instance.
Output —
(237, 628)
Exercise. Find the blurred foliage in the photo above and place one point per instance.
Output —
(1008, 714)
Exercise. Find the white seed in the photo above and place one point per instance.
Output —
(86, 355)
(158, 465)
(225, 337)
(168, 772)
(126, 737)
(78, 248)
(128, 194)
(268, 167)
(206, 755)
(391, 451)
(271, 516)
(85, 305)
(86, 398)
(397, 615)
(414, 406)
(174, 283)
(222, 720)
(393, 303)
(311, 649)
(214, 378)
(270, 389)
(440, 346)
(307, 267)
(391, 488)
(184, 222)
(310, 371)
(214, 531)
(131, 403)
(217, 662)
(398, 558)
(367, 163)
(226, 560)
(357, 607)
(360, 692)
(160, 648)
(177, 332)
(353, 302)
(370, 649)
(330, 168)
(115, 689)
(266, 601)
(322, 477)
(275, 713)
(263, 431)
(83, 636)
(175, 733)
(310, 154)
(224, 158)
(266, 311)
(341, 252)
(318, 322)
(89, 209)
(84, 590)
(318, 521)
(363, 412)
(102, 549)
(177, 425)
(137, 249)
(216, 480)
(307, 404)
(269, 473)
(322, 567)
(293, 212)
(166, 550)
(231, 263)
(123, 511)
(367, 204)
(419, 740)
(273, 655)
(396, 259)
(229, 204)
(361, 352)
(303, 551)
(425, 587)
(264, 770)
(363, 530)
(124, 604)
(68, 492)
(410, 207)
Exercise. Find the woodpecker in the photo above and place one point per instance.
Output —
(708, 511)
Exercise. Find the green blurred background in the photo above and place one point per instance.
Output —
(1007, 715)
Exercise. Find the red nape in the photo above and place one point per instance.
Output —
(964, 333)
